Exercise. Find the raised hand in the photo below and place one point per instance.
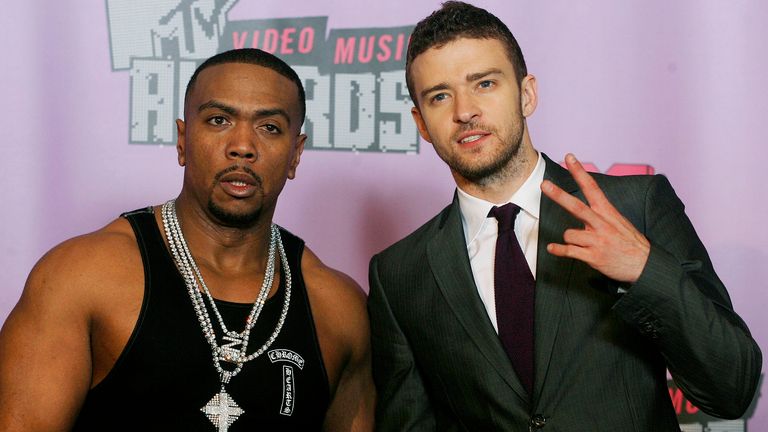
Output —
(608, 243)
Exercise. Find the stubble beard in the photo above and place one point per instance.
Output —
(503, 164)
(234, 220)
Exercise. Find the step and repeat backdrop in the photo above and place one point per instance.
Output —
(91, 91)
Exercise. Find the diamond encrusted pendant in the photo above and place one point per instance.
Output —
(229, 351)
(222, 410)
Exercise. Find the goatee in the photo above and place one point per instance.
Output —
(234, 220)
(501, 166)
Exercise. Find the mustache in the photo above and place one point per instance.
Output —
(233, 168)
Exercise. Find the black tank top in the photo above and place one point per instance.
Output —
(165, 374)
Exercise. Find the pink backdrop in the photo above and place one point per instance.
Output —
(680, 86)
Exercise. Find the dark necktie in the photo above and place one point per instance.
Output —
(514, 286)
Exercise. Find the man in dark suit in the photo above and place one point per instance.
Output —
(624, 289)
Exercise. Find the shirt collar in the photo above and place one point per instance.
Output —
(474, 211)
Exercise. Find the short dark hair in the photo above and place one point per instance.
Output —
(256, 57)
(454, 20)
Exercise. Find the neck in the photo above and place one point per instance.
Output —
(502, 185)
(223, 248)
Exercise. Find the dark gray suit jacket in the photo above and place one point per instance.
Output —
(600, 356)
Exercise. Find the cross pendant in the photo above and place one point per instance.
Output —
(222, 410)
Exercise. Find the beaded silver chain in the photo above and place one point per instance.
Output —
(266, 285)
(191, 273)
(196, 287)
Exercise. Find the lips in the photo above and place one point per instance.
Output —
(471, 138)
(239, 184)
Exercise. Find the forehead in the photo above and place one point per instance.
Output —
(458, 58)
(245, 86)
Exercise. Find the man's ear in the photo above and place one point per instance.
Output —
(181, 142)
(529, 96)
(300, 140)
(420, 124)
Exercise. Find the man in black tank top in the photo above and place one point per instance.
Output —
(198, 314)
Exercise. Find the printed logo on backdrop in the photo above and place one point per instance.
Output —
(357, 98)
(693, 420)
(619, 169)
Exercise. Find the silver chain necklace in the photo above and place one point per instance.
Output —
(222, 410)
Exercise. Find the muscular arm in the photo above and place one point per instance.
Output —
(338, 307)
(46, 362)
(403, 403)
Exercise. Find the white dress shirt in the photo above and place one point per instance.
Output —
(480, 232)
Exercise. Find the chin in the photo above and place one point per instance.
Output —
(232, 218)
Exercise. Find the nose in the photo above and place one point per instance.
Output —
(242, 143)
(465, 108)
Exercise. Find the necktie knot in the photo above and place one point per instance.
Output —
(506, 215)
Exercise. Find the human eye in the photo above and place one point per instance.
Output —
(439, 97)
(218, 120)
(271, 128)
(485, 84)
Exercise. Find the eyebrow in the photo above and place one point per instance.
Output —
(434, 88)
(478, 75)
(212, 104)
(260, 113)
(469, 78)
(269, 112)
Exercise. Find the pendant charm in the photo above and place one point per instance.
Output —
(228, 351)
(229, 355)
(222, 410)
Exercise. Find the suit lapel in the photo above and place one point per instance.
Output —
(447, 253)
(552, 273)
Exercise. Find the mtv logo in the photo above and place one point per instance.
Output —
(165, 29)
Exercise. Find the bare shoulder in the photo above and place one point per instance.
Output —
(338, 308)
(341, 319)
(333, 291)
(82, 265)
(88, 288)
(85, 276)
(316, 271)
(71, 292)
